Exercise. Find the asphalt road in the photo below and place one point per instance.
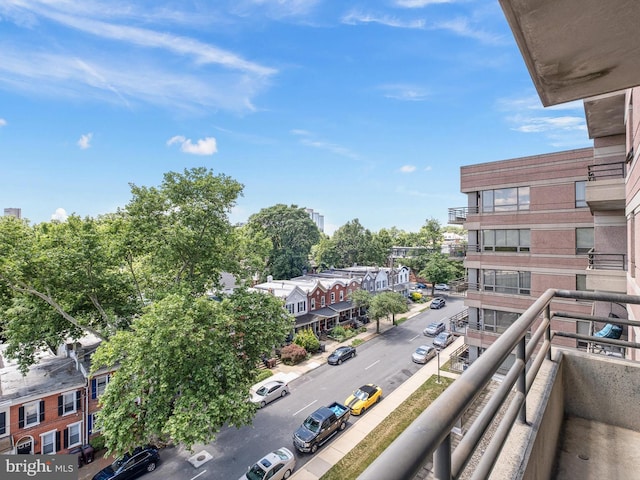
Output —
(384, 360)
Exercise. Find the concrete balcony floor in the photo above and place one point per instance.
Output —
(593, 450)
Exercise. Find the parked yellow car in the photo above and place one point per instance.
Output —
(363, 398)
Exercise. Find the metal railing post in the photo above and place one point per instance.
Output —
(521, 385)
(547, 331)
(442, 460)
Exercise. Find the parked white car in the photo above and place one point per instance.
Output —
(441, 286)
(277, 465)
(269, 392)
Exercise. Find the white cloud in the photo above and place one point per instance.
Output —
(60, 214)
(408, 168)
(355, 17)
(85, 141)
(297, 131)
(3, 122)
(564, 126)
(409, 93)
(463, 28)
(192, 74)
(204, 146)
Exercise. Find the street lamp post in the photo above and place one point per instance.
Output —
(438, 367)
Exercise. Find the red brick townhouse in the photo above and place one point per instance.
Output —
(42, 412)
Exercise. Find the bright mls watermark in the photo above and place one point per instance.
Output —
(45, 467)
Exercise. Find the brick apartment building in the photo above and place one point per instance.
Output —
(532, 226)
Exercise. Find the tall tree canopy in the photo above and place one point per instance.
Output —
(185, 368)
(292, 234)
(136, 278)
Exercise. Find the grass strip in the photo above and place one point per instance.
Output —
(362, 455)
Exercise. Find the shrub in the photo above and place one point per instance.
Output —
(262, 374)
(416, 296)
(292, 354)
(338, 332)
(307, 340)
(97, 442)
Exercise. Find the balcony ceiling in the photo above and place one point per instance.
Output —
(576, 49)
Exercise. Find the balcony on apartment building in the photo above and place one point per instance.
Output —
(607, 272)
(458, 215)
(605, 189)
(558, 412)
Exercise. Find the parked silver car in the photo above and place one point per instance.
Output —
(434, 328)
(423, 354)
(443, 340)
(269, 392)
(277, 465)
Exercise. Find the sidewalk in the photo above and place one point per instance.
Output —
(337, 448)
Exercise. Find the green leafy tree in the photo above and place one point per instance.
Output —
(292, 234)
(325, 254)
(360, 299)
(183, 231)
(387, 304)
(439, 269)
(185, 367)
(59, 280)
(136, 279)
(353, 244)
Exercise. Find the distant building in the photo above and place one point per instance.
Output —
(13, 212)
(317, 218)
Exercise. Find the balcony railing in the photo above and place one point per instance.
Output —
(607, 261)
(606, 171)
(459, 215)
(430, 434)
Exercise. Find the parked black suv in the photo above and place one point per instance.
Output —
(142, 460)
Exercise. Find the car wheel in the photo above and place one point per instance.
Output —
(379, 398)
(343, 425)
(340, 362)
(353, 354)
(287, 474)
(151, 467)
(314, 448)
(284, 393)
(364, 409)
(262, 404)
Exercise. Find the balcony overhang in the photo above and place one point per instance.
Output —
(606, 194)
(614, 281)
(576, 49)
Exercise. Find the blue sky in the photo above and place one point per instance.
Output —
(358, 109)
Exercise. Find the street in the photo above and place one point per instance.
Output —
(384, 360)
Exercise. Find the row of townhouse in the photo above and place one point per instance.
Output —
(51, 409)
(320, 301)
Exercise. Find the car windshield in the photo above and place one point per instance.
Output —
(256, 472)
(421, 351)
(442, 336)
(281, 454)
(262, 391)
(312, 424)
(359, 394)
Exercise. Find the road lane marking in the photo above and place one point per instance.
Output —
(202, 472)
(367, 368)
(304, 408)
(412, 339)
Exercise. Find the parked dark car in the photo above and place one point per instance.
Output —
(142, 460)
(341, 354)
(434, 328)
(437, 303)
